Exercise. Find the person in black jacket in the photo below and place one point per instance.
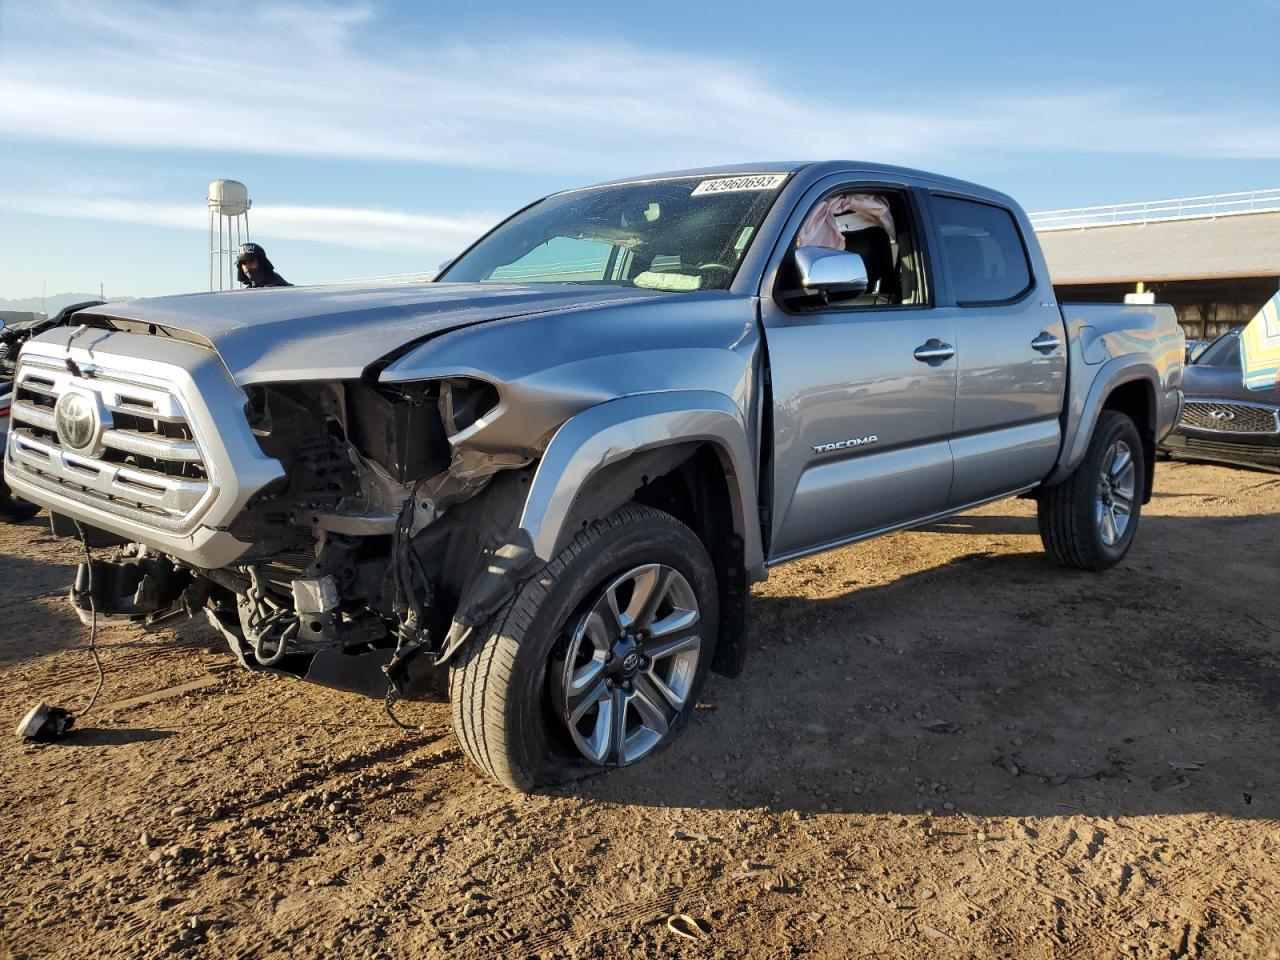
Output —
(253, 269)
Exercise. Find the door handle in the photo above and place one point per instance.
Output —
(934, 351)
(1046, 343)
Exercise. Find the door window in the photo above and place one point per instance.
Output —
(876, 225)
(985, 255)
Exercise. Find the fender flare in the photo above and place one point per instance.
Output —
(1081, 420)
(613, 431)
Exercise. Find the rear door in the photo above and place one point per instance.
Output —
(863, 395)
(1011, 360)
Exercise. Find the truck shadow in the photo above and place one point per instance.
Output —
(986, 525)
(113, 737)
(35, 618)
(1001, 685)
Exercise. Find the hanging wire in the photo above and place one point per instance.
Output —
(93, 623)
(389, 702)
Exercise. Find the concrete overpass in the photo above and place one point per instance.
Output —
(1215, 258)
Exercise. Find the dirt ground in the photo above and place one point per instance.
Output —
(941, 747)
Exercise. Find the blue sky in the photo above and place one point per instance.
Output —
(380, 137)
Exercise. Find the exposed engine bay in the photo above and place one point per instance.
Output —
(372, 556)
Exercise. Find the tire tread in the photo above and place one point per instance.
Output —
(1064, 512)
(480, 678)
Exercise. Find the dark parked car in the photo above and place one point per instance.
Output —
(12, 507)
(1222, 420)
(14, 335)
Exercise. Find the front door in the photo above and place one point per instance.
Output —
(863, 391)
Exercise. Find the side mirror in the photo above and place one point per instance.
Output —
(445, 265)
(833, 274)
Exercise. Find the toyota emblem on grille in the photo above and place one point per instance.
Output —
(78, 425)
(1222, 416)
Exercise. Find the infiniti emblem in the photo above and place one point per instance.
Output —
(1222, 415)
(77, 422)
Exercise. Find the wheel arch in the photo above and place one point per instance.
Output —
(580, 470)
(1136, 399)
(683, 452)
(1126, 384)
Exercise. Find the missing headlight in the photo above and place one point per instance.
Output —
(463, 401)
(401, 433)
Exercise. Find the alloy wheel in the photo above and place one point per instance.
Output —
(629, 664)
(1113, 509)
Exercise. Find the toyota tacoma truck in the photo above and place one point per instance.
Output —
(548, 478)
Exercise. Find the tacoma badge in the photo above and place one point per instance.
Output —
(845, 444)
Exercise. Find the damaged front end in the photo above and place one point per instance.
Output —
(385, 542)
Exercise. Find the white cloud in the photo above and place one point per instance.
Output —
(295, 79)
(371, 229)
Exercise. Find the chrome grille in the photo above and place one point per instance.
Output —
(147, 463)
(1230, 417)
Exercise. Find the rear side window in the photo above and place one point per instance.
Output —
(984, 251)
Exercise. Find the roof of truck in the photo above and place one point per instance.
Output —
(814, 169)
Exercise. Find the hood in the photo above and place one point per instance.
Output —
(333, 333)
(1221, 383)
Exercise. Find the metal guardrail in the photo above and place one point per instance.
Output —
(1151, 211)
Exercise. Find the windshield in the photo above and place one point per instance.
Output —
(1223, 352)
(675, 235)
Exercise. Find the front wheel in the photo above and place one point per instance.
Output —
(597, 660)
(14, 507)
(1089, 520)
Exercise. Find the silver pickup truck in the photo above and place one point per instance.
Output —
(551, 476)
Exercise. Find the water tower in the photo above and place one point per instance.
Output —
(229, 205)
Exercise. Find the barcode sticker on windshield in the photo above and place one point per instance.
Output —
(759, 181)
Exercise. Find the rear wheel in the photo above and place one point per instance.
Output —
(1089, 520)
(597, 660)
